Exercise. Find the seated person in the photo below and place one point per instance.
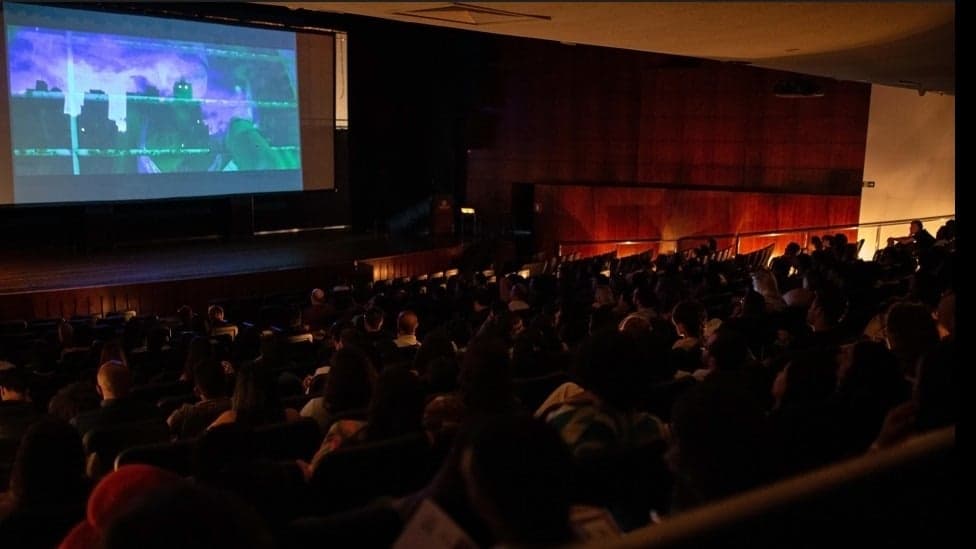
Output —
(396, 409)
(605, 416)
(114, 382)
(255, 400)
(917, 235)
(347, 389)
(191, 420)
(16, 409)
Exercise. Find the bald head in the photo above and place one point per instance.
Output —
(114, 380)
(318, 296)
(407, 323)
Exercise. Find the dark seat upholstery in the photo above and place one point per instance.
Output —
(533, 391)
(631, 483)
(354, 476)
(172, 456)
(296, 440)
(108, 442)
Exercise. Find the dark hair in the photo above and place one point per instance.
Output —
(208, 375)
(729, 350)
(50, 463)
(397, 405)
(910, 329)
(200, 350)
(442, 375)
(112, 350)
(485, 379)
(833, 304)
(247, 345)
(14, 379)
(610, 363)
(811, 378)
(373, 317)
(519, 468)
(350, 382)
(182, 514)
(792, 248)
(691, 314)
(255, 398)
(436, 345)
(72, 400)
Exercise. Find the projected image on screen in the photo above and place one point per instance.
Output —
(86, 103)
(107, 106)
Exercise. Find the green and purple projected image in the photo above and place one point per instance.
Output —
(100, 115)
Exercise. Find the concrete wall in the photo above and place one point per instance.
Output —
(911, 156)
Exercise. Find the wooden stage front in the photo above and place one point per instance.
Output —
(159, 278)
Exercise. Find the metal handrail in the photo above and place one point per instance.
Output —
(761, 234)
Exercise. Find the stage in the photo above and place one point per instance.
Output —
(155, 278)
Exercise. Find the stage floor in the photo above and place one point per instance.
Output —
(24, 271)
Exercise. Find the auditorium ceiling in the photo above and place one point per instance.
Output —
(906, 44)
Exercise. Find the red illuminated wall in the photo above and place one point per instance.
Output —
(659, 146)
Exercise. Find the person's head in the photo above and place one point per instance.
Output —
(485, 380)
(644, 297)
(719, 438)
(209, 379)
(634, 324)
(603, 297)
(407, 323)
(519, 292)
(871, 376)
(50, 463)
(792, 249)
(764, 283)
(442, 375)
(397, 405)
(66, 334)
(350, 383)
(373, 319)
(72, 400)
(689, 318)
(752, 304)
(726, 351)
(946, 315)
(14, 385)
(816, 243)
(482, 300)
(610, 364)
(910, 330)
(215, 314)
(317, 297)
(114, 380)
(189, 516)
(201, 349)
(515, 472)
(809, 378)
(827, 309)
(112, 350)
(185, 314)
(437, 344)
(255, 397)
(915, 227)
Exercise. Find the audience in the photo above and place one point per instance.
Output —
(821, 358)
(48, 488)
(255, 400)
(114, 383)
(210, 386)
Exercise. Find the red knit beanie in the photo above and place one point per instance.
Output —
(114, 494)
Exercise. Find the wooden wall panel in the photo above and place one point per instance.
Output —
(612, 118)
(165, 297)
(582, 213)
